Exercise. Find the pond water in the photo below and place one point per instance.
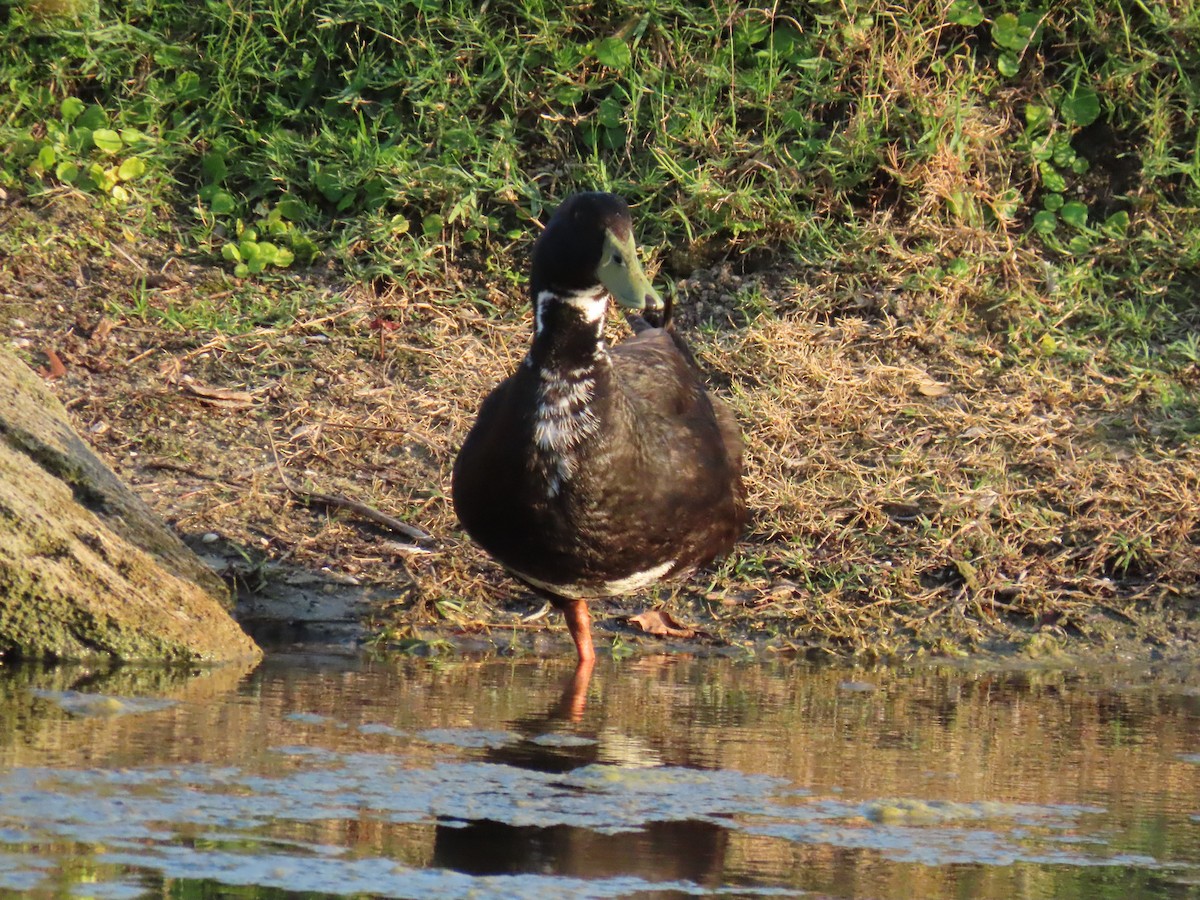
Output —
(679, 777)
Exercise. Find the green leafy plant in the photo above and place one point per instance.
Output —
(967, 13)
(274, 240)
(80, 149)
(1014, 34)
(1047, 138)
(251, 254)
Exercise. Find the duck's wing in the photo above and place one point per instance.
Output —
(490, 464)
(683, 451)
(657, 372)
(658, 365)
(647, 323)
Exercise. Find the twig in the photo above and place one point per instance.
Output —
(541, 613)
(397, 547)
(133, 262)
(373, 428)
(367, 512)
(139, 357)
(169, 466)
(338, 502)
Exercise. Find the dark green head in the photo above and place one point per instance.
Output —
(589, 245)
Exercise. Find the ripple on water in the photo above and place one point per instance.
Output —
(562, 740)
(142, 809)
(20, 872)
(468, 738)
(330, 808)
(81, 704)
(374, 877)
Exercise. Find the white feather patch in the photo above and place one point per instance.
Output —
(563, 419)
(591, 306)
(562, 422)
(627, 585)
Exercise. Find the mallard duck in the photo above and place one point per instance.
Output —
(594, 471)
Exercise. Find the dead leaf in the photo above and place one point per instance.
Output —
(381, 324)
(222, 397)
(102, 330)
(54, 368)
(663, 624)
(931, 388)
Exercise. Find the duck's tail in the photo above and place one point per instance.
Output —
(647, 319)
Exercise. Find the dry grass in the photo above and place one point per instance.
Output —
(905, 483)
(913, 489)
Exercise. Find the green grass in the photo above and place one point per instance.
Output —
(1032, 168)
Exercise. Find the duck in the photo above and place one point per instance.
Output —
(595, 471)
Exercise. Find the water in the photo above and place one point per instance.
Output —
(670, 777)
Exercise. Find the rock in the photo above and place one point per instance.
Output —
(86, 569)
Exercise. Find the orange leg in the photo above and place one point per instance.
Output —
(579, 623)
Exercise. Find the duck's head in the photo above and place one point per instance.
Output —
(586, 254)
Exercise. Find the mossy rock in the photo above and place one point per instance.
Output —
(86, 569)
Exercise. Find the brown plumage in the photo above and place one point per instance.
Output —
(593, 471)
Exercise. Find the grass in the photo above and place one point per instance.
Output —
(942, 258)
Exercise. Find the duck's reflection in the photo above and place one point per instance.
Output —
(687, 850)
(661, 851)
